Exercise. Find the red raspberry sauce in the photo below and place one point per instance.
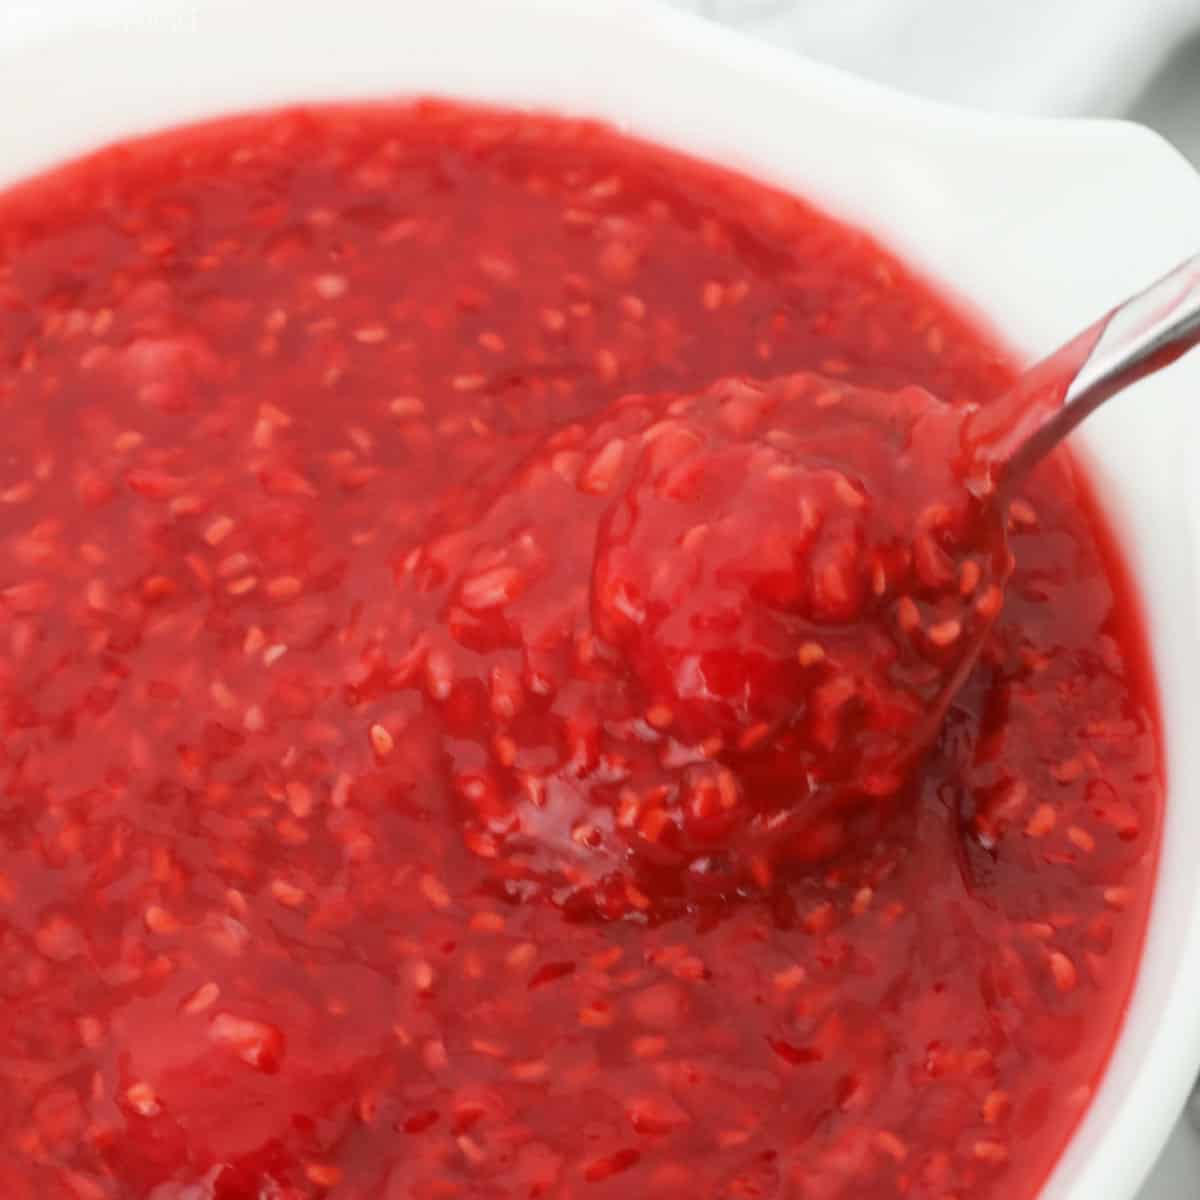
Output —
(746, 609)
(276, 669)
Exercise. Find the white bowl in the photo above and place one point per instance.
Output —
(1042, 224)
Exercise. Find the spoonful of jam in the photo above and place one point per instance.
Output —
(747, 610)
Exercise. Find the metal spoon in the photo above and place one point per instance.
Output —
(1004, 440)
(944, 540)
(1137, 338)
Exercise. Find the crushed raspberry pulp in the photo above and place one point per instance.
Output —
(383, 573)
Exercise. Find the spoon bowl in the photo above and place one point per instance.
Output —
(792, 579)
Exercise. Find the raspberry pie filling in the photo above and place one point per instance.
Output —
(479, 595)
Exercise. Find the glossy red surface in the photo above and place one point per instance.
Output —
(741, 613)
(318, 567)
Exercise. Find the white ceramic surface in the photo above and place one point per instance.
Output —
(1041, 224)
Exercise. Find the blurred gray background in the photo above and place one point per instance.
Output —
(1171, 101)
(1137, 58)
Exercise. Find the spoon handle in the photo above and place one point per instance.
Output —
(1137, 338)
